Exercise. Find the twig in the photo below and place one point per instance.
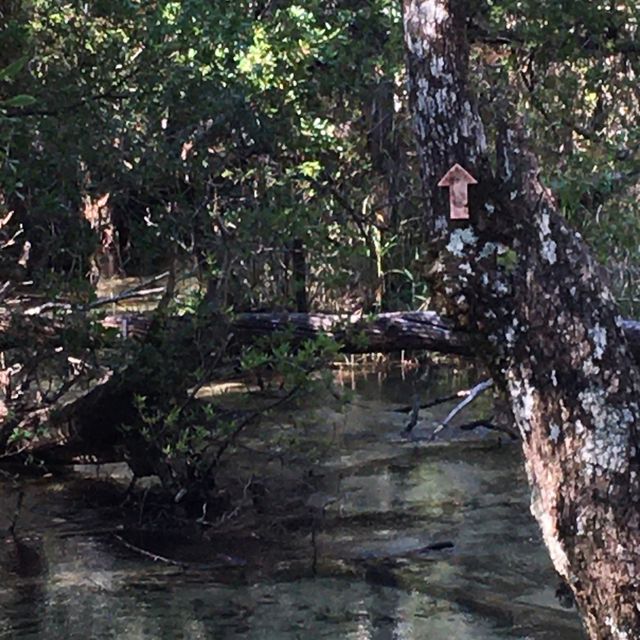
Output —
(78, 533)
(14, 454)
(243, 423)
(5, 290)
(471, 396)
(147, 554)
(138, 291)
(206, 375)
(227, 561)
(463, 393)
(126, 295)
(488, 424)
(36, 311)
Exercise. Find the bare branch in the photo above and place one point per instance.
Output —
(472, 394)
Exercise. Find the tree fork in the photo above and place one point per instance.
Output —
(521, 279)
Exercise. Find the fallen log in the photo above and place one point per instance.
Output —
(384, 333)
(89, 424)
(381, 333)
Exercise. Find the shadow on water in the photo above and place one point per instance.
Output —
(402, 538)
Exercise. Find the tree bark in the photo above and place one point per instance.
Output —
(519, 277)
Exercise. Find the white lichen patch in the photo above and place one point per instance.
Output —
(512, 331)
(598, 335)
(607, 296)
(459, 239)
(554, 433)
(554, 379)
(582, 521)
(616, 632)
(466, 268)
(548, 251)
(523, 396)
(442, 101)
(589, 368)
(488, 250)
(440, 224)
(606, 441)
(510, 335)
(431, 14)
(437, 66)
(548, 246)
(422, 19)
(545, 229)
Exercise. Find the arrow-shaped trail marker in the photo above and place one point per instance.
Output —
(458, 181)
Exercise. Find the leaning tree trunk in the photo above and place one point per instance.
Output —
(517, 274)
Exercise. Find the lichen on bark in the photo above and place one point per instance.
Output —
(520, 277)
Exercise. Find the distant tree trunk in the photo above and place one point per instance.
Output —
(106, 261)
(521, 278)
(299, 273)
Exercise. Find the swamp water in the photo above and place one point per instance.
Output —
(408, 539)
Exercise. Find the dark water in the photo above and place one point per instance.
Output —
(412, 539)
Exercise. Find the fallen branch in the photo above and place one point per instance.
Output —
(410, 408)
(488, 423)
(381, 333)
(385, 332)
(139, 291)
(472, 394)
(126, 295)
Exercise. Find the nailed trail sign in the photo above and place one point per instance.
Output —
(458, 181)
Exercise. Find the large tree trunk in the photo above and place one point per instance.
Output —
(516, 274)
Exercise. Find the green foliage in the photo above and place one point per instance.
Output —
(221, 132)
(273, 358)
(219, 136)
(571, 69)
(225, 131)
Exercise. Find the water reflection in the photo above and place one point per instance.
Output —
(413, 542)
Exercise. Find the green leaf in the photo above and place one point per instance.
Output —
(21, 100)
(12, 70)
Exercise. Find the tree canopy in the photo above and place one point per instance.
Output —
(220, 133)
